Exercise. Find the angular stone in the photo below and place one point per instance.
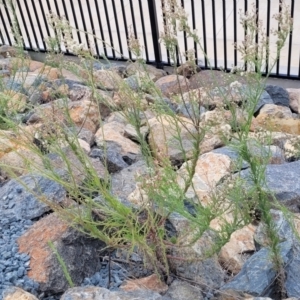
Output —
(292, 270)
(19, 197)
(283, 182)
(188, 69)
(210, 169)
(85, 114)
(294, 95)
(264, 99)
(277, 111)
(124, 182)
(8, 51)
(180, 290)
(49, 72)
(215, 138)
(108, 80)
(212, 78)
(19, 162)
(189, 260)
(80, 253)
(97, 293)
(113, 133)
(132, 134)
(289, 125)
(163, 138)
(67, 164)
(134, 68)
(7, 142)
(54, 112)
(16, 102)
(15, 293)
(151, 283)
(172, 84)
(80, 92)
(234, 253)
(278, 94)
(292, 149)
(258, 274)
(110, 157)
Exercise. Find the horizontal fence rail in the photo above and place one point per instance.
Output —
(104, 26)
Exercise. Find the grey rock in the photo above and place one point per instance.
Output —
(258, 274)
(124, 182)
(111, 158)
(133, 82)
(279, 95)
(232, 154)
(283, 181)
(80, 254)
(282, 227)
(180, 290)
(82, 133)
(5, 63)
(20, 201)
(265, 98)
(189, 110)
(59, 82)
(292, 283)
(97, 293)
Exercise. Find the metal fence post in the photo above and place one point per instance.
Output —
(155, 33)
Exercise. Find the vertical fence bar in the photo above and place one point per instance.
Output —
(45, 20)
(67, 18)
(204, 34)
(39, 25)
(225, 35)
(184, 35)
(155, 34)
(5, 28)
(268, 35)
(24, 24)
(75, 21)
(290, 42)
(93, 29)
(246, 30)
(256, 36)
(10, 23)
(31, 24)
(126, 26)
(144, 31)
(109, 30)
(278, 60)
(214, 33)
(101, 28)
(235, 32)
(117, 27)
(194, 27)
(84, 24)
(133, 18)
(165, 24)
(54, 29)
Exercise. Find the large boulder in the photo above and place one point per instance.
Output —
(79, 252)
(95, 293)
(278, 94)
(19, 197)
(283, 182)
(172, 84)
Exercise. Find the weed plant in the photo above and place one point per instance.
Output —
(163, 192)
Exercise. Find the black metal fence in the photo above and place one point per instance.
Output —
(110, 22)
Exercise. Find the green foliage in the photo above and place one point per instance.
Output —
(105, 217)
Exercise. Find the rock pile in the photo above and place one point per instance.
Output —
(27, 262)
